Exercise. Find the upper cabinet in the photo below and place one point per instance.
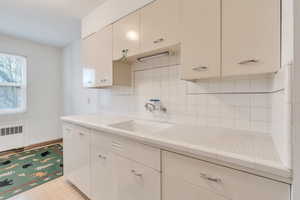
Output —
(251, 37)
(97, 58)
(219, 38)
(126, 36)
(159, 25)
(98, 67)
(200, 39)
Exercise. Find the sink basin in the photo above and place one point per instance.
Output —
(140, 126)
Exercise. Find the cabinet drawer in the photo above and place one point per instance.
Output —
(224, 182)
(135, 181)
(138, 152)
(135, 151)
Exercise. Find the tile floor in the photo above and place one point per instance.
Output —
(57, 189)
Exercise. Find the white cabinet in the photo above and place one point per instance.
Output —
(104, 166)
(69, 156)
(187, 177)
(251, 37)
(102, 181)
(159, 25)
(185, 190)
(200, 27)
(126, 36)
(97, 59)
(77, 157)
(123, 170)
(135, 181)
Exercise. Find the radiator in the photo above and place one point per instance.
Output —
(11, 136)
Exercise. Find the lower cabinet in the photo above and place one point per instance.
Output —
(135, 181)
(102, 180)
(187, 178)
(77, 157)
(107, 167)
(116, 177)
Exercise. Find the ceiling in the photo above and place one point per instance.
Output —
(52, 22)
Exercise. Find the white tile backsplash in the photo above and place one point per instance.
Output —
(244, 104)
(255, 104)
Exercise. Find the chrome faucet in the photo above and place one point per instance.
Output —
(155, 105)
(150, 107)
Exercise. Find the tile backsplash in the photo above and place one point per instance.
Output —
(261, 104)
(244, 103)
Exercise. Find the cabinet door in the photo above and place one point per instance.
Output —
(97, 59)
(159, 25)
(126, 36)
(102, 186)
(251, 37)
(200, 39)
(178, 189)
(81, 152)
(69, 157)
(182, 172)
(135, 181)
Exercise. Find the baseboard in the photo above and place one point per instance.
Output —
(33, 146)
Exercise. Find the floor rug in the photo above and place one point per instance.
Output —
(23, 171)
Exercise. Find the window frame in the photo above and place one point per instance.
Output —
(22, 86)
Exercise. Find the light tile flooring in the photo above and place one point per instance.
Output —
(57, 189)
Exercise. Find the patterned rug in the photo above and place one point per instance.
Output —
(22, 171)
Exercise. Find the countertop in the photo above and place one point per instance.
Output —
(247, 151)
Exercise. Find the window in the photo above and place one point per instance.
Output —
(12, 83)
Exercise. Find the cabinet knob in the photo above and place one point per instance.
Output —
(244, 62)
(158, 40)
(200, 68)
(206, 177)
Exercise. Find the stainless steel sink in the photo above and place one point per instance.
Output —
(141, 126)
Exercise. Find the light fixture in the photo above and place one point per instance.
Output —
(157, 55)
(132, 35)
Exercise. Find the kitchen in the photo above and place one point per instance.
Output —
(173, 99)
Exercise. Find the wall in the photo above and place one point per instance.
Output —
(77, 100)
(109, 12)
(296, 103)
(43, 93)
(241, 104)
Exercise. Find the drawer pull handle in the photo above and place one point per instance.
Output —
(248, 61)
(159, 40)
(81, 134)
(200, 68)
(136, 173)
(102, 157)
(206, 177)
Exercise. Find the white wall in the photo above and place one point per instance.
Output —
(296, 102)
(77, 100)
(44, 89)
(109, 12)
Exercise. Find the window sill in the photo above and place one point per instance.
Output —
(12, 112)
